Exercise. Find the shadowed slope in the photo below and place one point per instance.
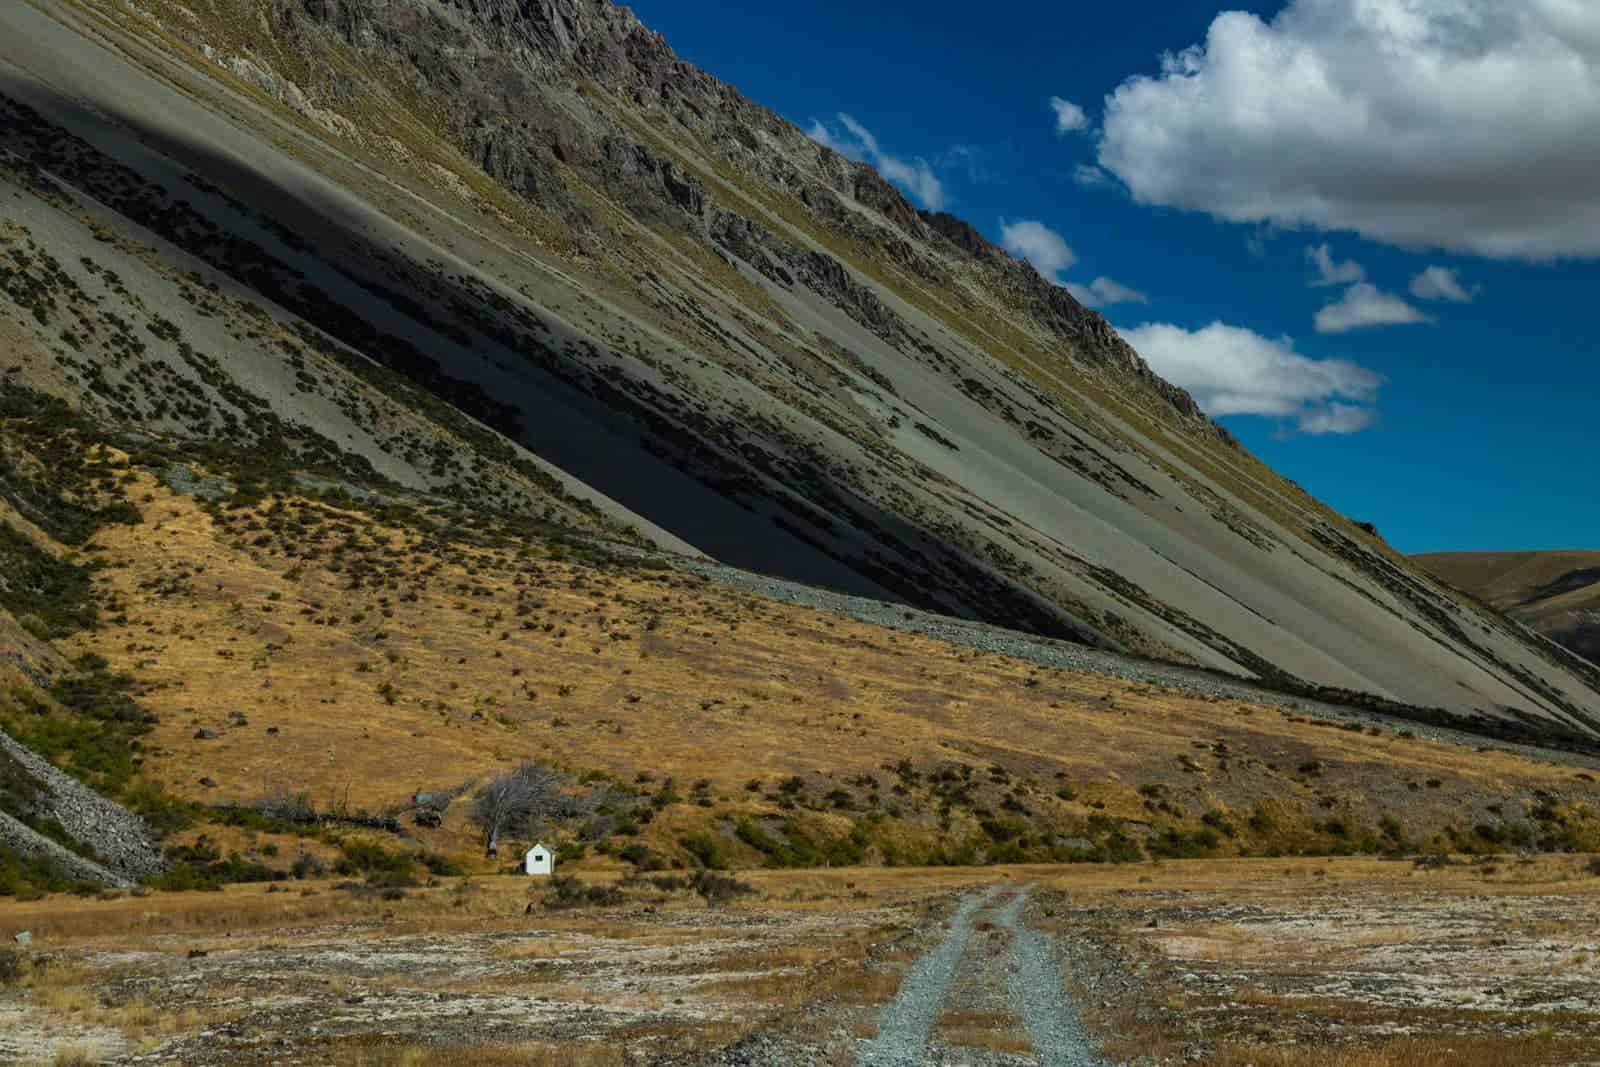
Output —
(691, 318)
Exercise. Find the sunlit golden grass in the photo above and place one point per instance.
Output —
(996, 1031)
(429, 678)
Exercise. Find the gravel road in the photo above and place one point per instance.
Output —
(1033, 989)
(1039, 995)
(907, 1023)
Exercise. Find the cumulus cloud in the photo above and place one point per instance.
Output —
(1046, 249)
(1330, 272)
(1103, 291)
(915, 176)
(819, 132)
(1231, 370)
(1440, 283)
(1470, 125)
(1364, 304)
(1069, 116)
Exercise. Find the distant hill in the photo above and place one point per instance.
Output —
(1555, 592)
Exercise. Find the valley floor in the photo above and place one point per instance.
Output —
(1276, 963)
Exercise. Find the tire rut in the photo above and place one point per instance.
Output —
(1040, 997)
(1034, 989)
(906, 1025)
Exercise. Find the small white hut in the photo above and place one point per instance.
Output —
(540, 860)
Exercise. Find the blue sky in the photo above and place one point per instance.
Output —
(1434, 373)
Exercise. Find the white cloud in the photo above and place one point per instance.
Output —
(819, 132)
(1085, 174)
(1046, 249)
(914, 176)
(1231, 370)
(1330, 272)
(1338, 418)
(1069, 116)
(1470, 125)
(1050, 255)
(1105, 291)
(1440, 283)
(1363, 304)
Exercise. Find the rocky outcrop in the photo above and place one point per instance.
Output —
(32, 845)
(511, 75)
(123, 843)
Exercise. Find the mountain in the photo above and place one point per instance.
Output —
(1555, 593)
(519, 257)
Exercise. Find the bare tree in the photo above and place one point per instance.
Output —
(519, 802)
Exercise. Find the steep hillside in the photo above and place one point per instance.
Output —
(216, 644)
(519, 255)
(1556, 593)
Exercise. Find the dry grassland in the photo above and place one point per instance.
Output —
(359, 660)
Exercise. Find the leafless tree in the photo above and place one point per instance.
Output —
(281, 802)
(521, 801)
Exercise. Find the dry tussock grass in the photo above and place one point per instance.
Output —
(997, 1031)
(1455, 1051)
(645, 669)
(386, 1052)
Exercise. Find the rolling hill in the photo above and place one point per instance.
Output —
(1556, 593)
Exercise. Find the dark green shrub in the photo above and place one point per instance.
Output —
(706, 849)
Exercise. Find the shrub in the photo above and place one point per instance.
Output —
(706, 849)
(645, 859)
(198, 867)
(568, 892)
(12, 964)
(307, 866)
(1180, 844)
(368, 857)
(36, 627)
(718, 889)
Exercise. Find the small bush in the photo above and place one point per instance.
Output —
(35, 627)
(12, 965)
(367, 857)
(708, 850)
(568, 892)
(643, 858)
(307, 866)
(719, 889)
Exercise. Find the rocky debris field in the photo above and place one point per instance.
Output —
(1192, 975)
(1150, 964)
(124, 848)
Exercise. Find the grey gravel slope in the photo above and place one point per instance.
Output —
(727, 379)
(125, 845)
